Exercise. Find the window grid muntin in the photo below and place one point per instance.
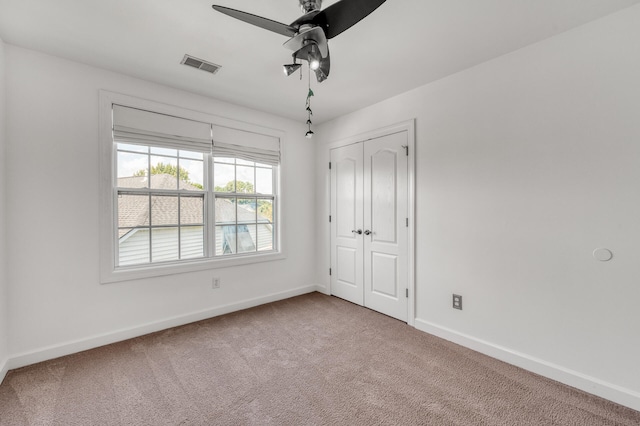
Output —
(150, 227)
(227, 161)
(151, 192)
(177, 157)
(255, 166)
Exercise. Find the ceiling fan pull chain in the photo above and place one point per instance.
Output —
(309, 133)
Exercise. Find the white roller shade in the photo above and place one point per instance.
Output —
(140, 127)
(228, 142)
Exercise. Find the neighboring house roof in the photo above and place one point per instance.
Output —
(134, 213)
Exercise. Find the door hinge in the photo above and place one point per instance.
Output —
(407, 222)
(329, 271)
(406, 149)
(329, 165)
(329, 218)
(407, 292)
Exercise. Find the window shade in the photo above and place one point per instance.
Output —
(228, 142)
(140, 127)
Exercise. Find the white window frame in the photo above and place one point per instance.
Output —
(108, 210)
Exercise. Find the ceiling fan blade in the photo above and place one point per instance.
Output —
(258, 21)
(344, 14)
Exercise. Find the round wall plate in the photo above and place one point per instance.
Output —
(603, 254)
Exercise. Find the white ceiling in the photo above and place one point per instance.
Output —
(402, 45)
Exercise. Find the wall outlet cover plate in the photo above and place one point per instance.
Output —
(457, 301)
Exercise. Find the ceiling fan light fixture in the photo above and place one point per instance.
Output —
(314, 58)
(320, 75)
(291, 68)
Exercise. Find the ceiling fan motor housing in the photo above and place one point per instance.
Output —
(310, 5)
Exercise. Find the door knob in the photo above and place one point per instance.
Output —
(367, 232)
(359, 231)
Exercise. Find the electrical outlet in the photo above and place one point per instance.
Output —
(216, 283)
(457, 301)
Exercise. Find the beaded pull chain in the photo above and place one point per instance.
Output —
(309, 133)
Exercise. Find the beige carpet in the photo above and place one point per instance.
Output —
(310, 360)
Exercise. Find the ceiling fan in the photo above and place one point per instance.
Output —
(310, 32)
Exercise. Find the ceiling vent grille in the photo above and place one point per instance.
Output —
(200, 64)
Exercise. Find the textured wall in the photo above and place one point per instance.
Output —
(53, 180)
(4, 304)
(525, 165)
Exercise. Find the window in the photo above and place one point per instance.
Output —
(186, 194)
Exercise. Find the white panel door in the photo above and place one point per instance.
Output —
(386, 236)
(369, 234)
(347, 244)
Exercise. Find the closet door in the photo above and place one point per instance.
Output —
(386, 236)
(369, 215)
(347, 243)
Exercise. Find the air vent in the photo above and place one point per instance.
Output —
(200, 64)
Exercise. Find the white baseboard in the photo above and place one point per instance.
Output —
(4, 369)
(56, 351)
(592, 385)
(320, 288)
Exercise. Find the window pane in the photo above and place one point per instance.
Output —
(245, 180)
(191, 174)
(246, 210)
(223, 178)
(191, 242)
(225, 240)
(265, 211)
(225, 211)
(246, 238)
(264, 181)
(244, 163)
(164, 244)
(164, 210)
(132, 170)
(133, 247)
(164, 151)
(164, 173)
(265, 237)
(192, 210)
(133, 210)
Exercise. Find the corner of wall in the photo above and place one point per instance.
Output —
(4, 369)
(4, 304)
(322, 264)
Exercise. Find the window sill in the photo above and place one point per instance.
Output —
(109, 275)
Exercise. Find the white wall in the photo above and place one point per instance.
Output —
(525, 165)
(4, 304)
(56, 302)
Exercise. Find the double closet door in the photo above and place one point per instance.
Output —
(369, 224)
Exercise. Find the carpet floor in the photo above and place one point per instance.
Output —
(309, 360)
